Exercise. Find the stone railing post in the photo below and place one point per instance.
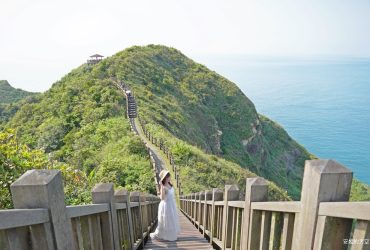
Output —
(231, 194)
(256, 190)
(104, 193)
(217, 195)
(44, 189)
(123, 196)
(323, 181)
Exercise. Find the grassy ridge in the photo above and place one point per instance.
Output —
(8, 94)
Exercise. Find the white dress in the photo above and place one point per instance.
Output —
(168, 220)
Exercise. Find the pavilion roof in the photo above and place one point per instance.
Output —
(96, 55)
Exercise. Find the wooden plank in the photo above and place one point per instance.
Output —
(100, 235)
(4, 244)
(85, 232)
(120, 206)
(278, 206)
(84, 210)
(219, 203)
(13, 218)
(41, 236)
(351, 210)
(95, 232)
(287, 232)
(275, 233)
(91, 232)
(233, 225)
(265, 230)
(238, 204)
(255, 230)
(239, 227)
(361, 235)
(76, 225)
(134, 204)
(18, 238)
(331, 232)
(217, 195)
(119, 224)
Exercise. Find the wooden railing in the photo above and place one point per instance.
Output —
(41, 220)
(323, 219)
(124, 88)
(160, 143)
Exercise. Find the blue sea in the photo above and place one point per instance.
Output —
(324, 104)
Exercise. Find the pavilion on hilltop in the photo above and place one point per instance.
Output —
(94, 59)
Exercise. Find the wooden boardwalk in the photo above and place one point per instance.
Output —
(189, 238)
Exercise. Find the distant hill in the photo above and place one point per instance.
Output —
(212, 128)
(8, 94)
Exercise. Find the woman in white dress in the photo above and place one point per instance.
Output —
(168, 220)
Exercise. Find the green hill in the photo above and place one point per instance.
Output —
(206, 110)
(203, 117)
(8, 94)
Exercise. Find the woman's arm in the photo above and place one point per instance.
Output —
(162, 194)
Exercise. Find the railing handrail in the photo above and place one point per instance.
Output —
(84, 210)
(11, 218)
(351, 210)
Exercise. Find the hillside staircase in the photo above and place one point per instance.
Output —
(131, 106)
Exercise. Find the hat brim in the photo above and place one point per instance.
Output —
(164, 176)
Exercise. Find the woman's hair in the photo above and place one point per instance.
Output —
(167, 175)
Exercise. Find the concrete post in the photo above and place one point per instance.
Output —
(256, 190)
(323, 180)
(44, 189)
(104, 193)
(231, 194)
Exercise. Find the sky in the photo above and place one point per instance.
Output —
(42, 40)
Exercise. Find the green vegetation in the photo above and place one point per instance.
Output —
(8, 94)
(200, 171)
(16, 158)
(359, 191)
(208, 111)
(203, 117)
(80, 122)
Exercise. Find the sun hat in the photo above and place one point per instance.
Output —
(163, 174)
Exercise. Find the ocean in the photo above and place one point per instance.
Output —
(324, 104)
